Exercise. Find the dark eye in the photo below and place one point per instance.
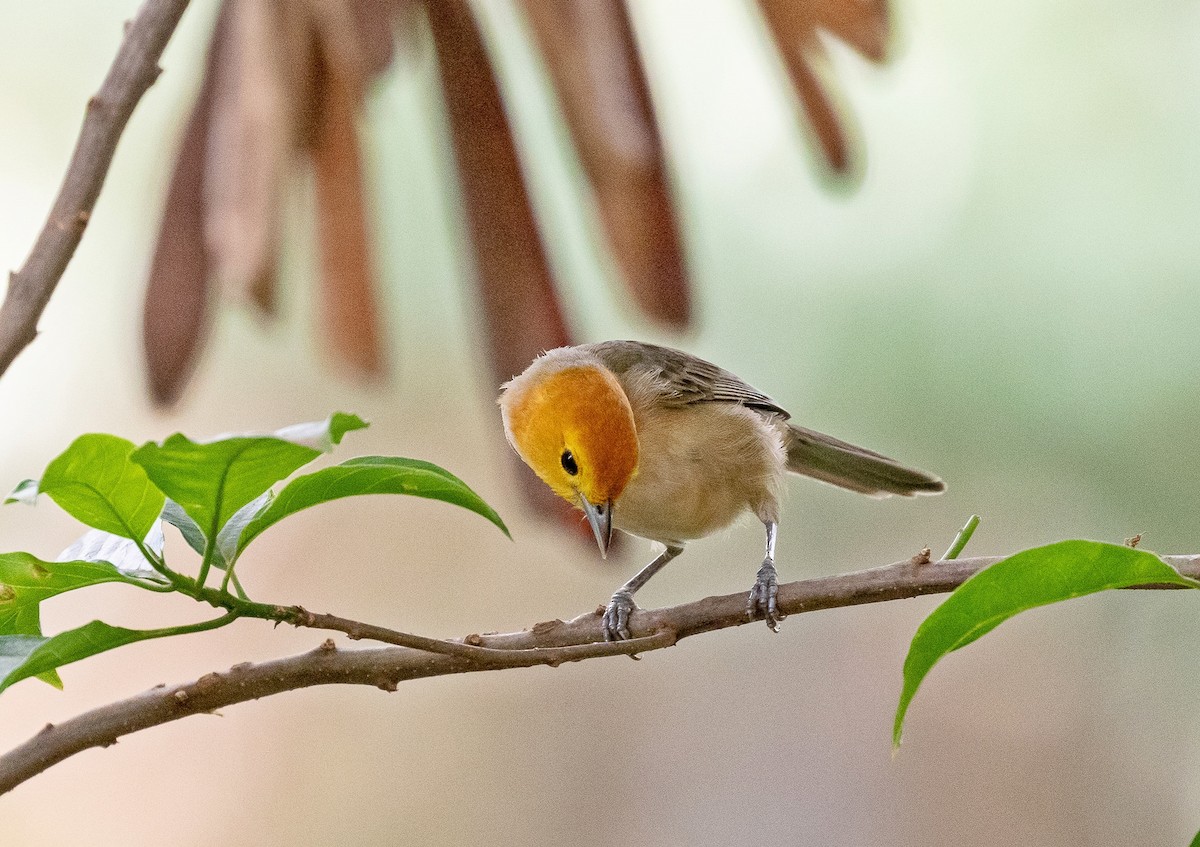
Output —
(568, 463)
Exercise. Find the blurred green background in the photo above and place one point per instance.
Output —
(1008, 298)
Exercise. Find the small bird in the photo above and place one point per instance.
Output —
(666, 446)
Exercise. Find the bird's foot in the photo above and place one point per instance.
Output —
(616, 616)
(761, 602)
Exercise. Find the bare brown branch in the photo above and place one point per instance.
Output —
(550, 643)
(133, 72)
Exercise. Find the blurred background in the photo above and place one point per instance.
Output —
(1003, 293)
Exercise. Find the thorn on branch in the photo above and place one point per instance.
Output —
(99, 108)
(297, 616)
(923, 557)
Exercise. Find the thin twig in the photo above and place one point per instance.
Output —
(550, 643)
(489, 656)
(960, 540)
(133, 71)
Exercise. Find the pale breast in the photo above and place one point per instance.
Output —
(700, 467)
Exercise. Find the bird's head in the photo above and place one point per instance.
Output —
(572, 424)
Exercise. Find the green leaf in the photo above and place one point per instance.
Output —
(49, 654)
(70, 646)
(369, 475)
(95, 481)
(211, 481)
(1023, 581)
(229, 538)
(15, 650)
(26, 581)
(174, 514)
(322, 435)
(18, 618)
(122, 553)
(45, 655)
(26, 492)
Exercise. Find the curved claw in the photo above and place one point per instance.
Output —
(616, 616)
(762, 600)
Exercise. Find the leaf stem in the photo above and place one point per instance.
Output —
(159, 563)
(237, 586)
(960, 540)
(206, 563)
(187, 629)
(244, 608)
(300, 617)
(156, 586)
(228, 576)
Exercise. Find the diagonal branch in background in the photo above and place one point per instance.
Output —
(550, 643)
(132, 73)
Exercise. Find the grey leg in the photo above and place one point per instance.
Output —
(761, 601)
(616, 616)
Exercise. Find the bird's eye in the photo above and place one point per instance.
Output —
(568, 463)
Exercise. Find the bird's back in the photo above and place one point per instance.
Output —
(679, 378)
(661, 377)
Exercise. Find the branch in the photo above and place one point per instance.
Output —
(133, 71)
(550, 643)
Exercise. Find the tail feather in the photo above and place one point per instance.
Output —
(845, 465)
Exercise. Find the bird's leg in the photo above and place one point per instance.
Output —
(762, 596)
(616, 616)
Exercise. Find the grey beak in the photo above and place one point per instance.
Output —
(599, 516)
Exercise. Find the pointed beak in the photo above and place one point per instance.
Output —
(599, 517)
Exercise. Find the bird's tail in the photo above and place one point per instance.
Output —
(826, 458)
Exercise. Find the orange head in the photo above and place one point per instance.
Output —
(569, 419)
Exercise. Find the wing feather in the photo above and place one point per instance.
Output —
(684, 379)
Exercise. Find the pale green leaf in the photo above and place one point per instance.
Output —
(1023, 581)
(370, 475)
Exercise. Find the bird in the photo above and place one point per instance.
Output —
(666, 446)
